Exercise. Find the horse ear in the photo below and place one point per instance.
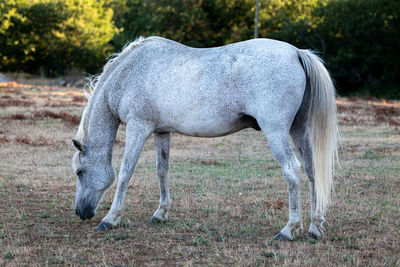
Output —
(79, 145)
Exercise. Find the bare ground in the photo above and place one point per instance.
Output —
(229, 196)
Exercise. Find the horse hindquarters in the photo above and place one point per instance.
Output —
(277, 134)
(314, 133)
(277, 106)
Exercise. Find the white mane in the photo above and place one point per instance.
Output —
(90, 87)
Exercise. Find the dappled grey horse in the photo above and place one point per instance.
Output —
(159, 86)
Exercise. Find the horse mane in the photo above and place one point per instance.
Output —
(94, 80)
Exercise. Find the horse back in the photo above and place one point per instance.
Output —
(191, 90)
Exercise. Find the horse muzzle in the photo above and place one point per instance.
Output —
(86, 212)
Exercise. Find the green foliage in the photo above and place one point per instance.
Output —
(359, 39)
(53, 36)
(192, 22)
(363, 50)
(277, 15)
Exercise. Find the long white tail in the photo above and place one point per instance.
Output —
(323, 126)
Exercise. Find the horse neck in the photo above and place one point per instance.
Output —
(102, 126)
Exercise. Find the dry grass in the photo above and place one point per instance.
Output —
(229, 196)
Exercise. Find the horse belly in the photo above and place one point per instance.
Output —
(208, 129)
(209, 125)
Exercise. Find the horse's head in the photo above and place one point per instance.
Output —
(95, 175)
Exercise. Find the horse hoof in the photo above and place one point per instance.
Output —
(103, 226)
(282, 237)
(156, 220)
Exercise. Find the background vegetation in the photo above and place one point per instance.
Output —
(359, 39)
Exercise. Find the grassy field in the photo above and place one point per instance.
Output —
(229, 197)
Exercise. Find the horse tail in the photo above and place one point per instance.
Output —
(323, 127)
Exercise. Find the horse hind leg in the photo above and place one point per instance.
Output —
(281, 149)
(301, 140)
(162, 142)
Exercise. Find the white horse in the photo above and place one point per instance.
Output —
(159, 86)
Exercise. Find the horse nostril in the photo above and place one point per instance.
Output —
(76, 212)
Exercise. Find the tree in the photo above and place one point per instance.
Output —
(358, 39)
(256, 21)
(362, 40)
(199, 23)
(53, 36)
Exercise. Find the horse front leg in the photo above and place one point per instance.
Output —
(136, 136)
(162, 142)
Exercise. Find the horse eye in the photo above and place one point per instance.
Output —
(79, 172)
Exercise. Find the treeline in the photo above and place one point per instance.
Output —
(359, 39)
